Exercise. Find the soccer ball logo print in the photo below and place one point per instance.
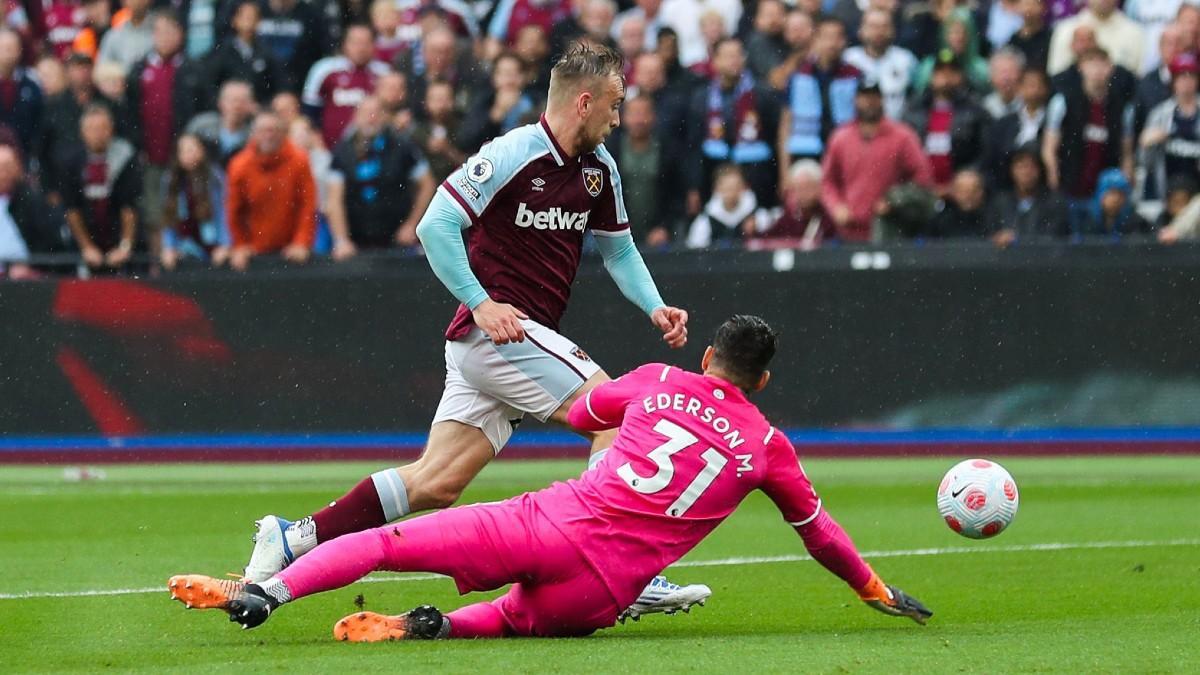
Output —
(593, 180)
(479, 169)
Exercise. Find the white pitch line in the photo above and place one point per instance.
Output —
(719, 562)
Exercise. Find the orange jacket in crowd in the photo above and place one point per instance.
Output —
(271, 200)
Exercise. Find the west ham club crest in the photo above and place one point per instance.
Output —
(593, 180)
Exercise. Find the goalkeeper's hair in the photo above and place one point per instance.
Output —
(743, 348)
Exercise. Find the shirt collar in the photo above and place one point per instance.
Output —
(555, 148)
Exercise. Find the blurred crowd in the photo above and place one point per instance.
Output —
(174, 132)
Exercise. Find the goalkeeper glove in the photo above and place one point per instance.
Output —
(893, 601)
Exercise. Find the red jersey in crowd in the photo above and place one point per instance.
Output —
(335, 87)
(155, 108)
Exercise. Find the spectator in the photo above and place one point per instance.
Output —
(649, 12)
(1111, 213)
(1016, 129)
(130, 42)
(819, 96)
(731, 214)
(1033, 38)
(304, 137)
(513, 15)
(1171, 140)
(731, 122)
(1184, 223)
(1003, 21)
(51, 75)
(245, 56)
(163, 91)
(287, 106)
(850, 13)
(960, 40)
(683, 17)
(803, 222)
(596, 21)
(1004, 71)
(337, 84)
(437, 132)
(798, 33)
(227, 130)
(1179, 193)
(951, 125)
(1119, 36)
(713, 28)
(380, 186)
(439, 58)
(766, 48)
(26, 227)
(533, 48)
(506, 107)
(392, 91)
(271, 198)
(97, 16)
(61, 22)
(1082, 40)
(21, 101)
(964, 214)
(645, 173)
(389, 40)
(1085, 132)
(883, 62)
(677, 76)
(109, 78)
(295, 33)
(200, 21)
(101, 192)
(1155, 86)
(630, 39)
(671, 130)
(1028, 210)
(60, 125)
(867, 157)
(193, 207)
(1153, 16)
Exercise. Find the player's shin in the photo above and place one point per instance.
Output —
(378, 499)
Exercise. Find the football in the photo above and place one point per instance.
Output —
(978, 498)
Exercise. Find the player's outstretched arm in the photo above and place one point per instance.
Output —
(829, 545)
(440, 232)
(625, 265)
(788, 486)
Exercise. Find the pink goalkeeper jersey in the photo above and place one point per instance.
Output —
(689, 450)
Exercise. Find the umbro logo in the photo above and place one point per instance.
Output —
(538, 184)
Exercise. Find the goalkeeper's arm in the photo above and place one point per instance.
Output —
(829, 545)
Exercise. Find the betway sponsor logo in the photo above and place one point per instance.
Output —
(551, 219)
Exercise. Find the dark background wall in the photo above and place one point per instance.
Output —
(915, 337)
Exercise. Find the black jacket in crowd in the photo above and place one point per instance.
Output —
(234, 60)
(60, 132)
(1045, 217)
(968, 128)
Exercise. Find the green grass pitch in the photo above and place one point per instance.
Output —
(1099, 572)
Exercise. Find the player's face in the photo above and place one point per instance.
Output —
(603, 112)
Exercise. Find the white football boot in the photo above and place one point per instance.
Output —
(271, 550)
(663, 596)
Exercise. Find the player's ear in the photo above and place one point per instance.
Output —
(762, 381)
(707, 358)
(583, 103)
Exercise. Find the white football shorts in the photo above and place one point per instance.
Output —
(491, 387)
